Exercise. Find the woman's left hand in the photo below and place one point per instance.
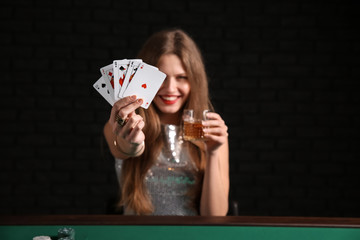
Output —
(215, 132)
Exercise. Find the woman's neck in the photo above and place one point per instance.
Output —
(170, 118)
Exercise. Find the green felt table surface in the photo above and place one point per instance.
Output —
(183, 232)
(253, 228)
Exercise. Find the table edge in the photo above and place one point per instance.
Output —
(180, 220)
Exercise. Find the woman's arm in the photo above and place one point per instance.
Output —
(215, 190)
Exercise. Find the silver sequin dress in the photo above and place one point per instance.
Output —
(168, 181)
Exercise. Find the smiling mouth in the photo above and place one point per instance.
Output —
(169, 99)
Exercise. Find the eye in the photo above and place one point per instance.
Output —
(182, 77)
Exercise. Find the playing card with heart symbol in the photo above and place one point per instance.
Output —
(145, 83)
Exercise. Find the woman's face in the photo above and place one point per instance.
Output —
(175, 90)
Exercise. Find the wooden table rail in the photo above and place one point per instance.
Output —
(176, 220)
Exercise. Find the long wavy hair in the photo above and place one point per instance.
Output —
(133, 193)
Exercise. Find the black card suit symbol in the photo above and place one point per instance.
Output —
(103, 85)
(122, 68)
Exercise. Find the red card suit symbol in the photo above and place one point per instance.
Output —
(112, 81)
(121, 80)
(144, 85)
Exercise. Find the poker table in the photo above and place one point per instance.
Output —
(104, 227)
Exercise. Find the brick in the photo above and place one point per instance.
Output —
(243, 7)
(294, 71)
(265, 120)
(293, 144)
(257, 71)
(92, 3)
(279, 59)
(52, 201)
(72, 40)
(259, 144)
(327, 169)
(297, 120)
(261, 20)
(288, 8)
(53, 52)
(319, 108)
(243, 59)
(277, 108)
(276, 132)
(44, 115)
(276, 83)
(160, 5)
(290, 168)
(31, 189)
(298, 21)
(91, 53)
(242, 33)
(36, 139)
(184, 19)
(313, 132)
(205, 6)
(266, 179)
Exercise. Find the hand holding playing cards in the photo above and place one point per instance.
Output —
(215, 132)
(127, 125)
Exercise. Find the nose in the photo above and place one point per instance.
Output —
(169, 83)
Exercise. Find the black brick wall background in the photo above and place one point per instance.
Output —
(284, 75)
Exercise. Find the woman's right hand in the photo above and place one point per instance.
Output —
(127, 126)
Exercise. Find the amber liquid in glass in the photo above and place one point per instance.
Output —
(193, 130)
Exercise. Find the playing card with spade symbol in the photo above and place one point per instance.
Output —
(100, 86)
(120, 68)
(108, 75)
(132, 68)
(145, 83)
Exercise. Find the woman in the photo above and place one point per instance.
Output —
(183, 178)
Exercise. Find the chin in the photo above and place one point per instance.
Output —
(169, 109)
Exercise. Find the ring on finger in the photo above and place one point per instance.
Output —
(120, 120)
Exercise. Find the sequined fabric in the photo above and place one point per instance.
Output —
(168, 181)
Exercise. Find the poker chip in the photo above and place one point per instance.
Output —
(66, 233)
(41, 238)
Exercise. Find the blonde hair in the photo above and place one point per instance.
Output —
(133, 191)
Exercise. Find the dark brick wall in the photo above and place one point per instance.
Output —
(284, 75)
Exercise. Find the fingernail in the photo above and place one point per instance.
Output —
(133, 97)
(140, 100)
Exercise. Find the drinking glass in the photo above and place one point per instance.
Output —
(192, 125)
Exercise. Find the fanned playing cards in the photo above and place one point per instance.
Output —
(127, 77)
